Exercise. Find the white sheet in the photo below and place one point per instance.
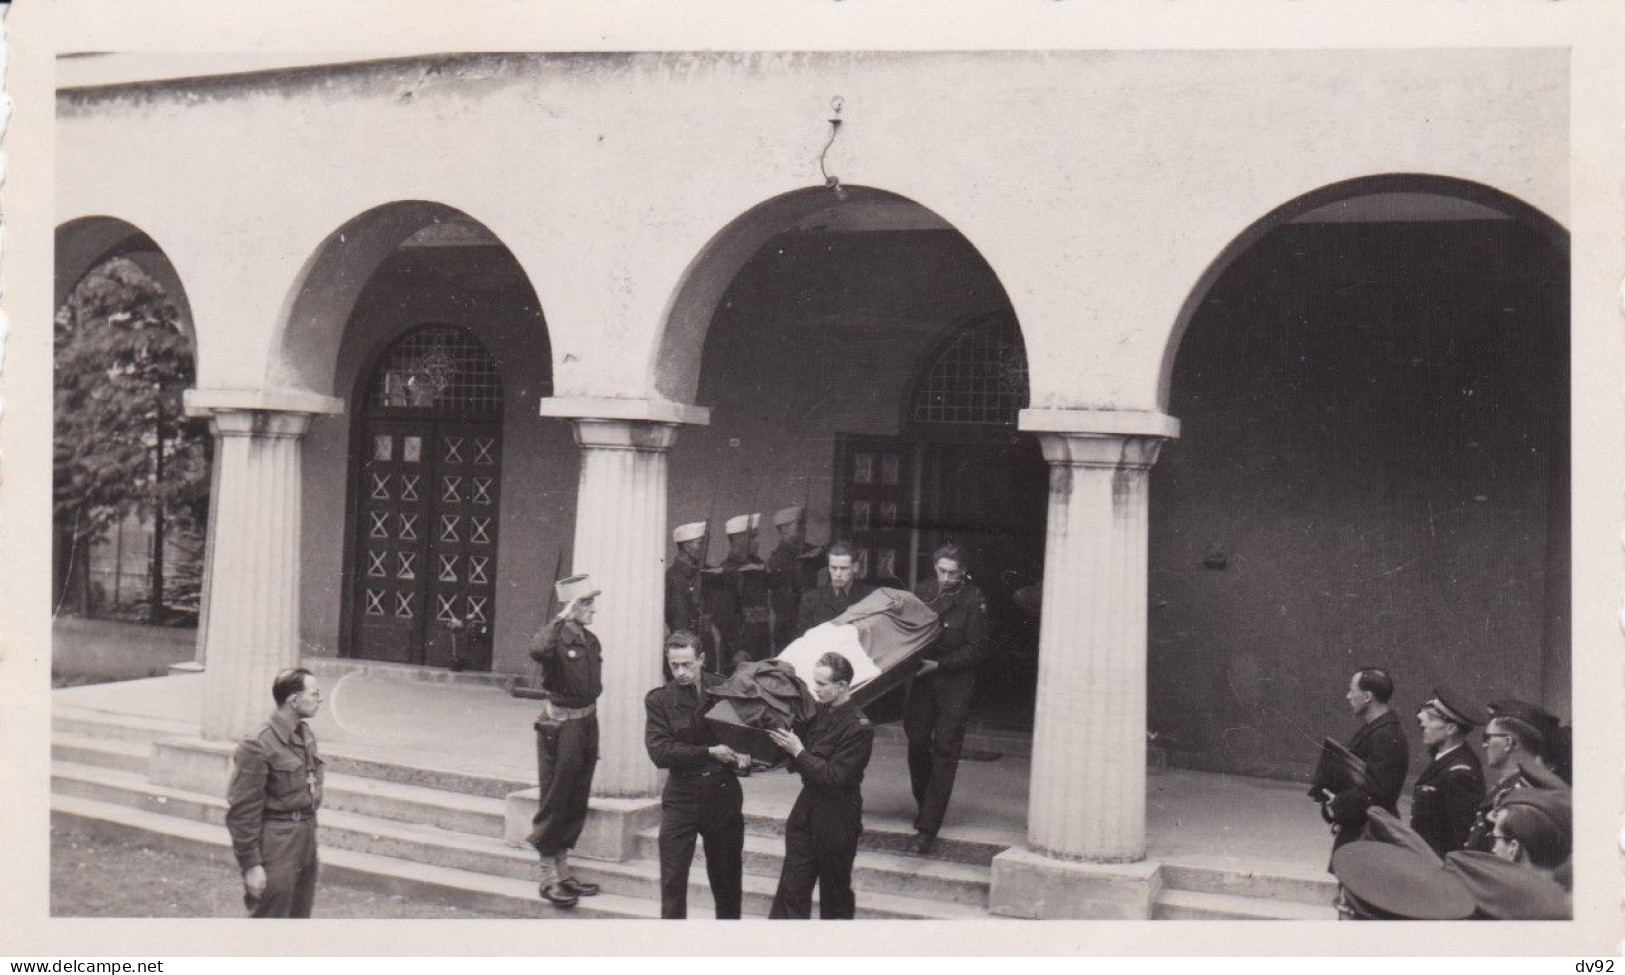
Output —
(841, 638)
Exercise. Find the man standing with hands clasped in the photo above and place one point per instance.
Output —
(276, 787)
(702, 797)
(566, 736)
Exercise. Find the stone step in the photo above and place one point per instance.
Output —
(1187, 905)
(954, 845)
(1259, 879)
(433, 846)
(119, 753)
(332, 669)
(478, 815)
(886, 873)
(419, 881)
(91, 723)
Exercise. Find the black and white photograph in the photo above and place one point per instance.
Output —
(694, 478)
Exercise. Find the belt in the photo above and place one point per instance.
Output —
(566, 714)
(292, 815)
(697, 773)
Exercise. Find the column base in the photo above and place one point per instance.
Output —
(192, 764)
(188, 667)
(1029, 885)
(612, 826)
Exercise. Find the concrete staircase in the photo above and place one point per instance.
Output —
(438, 836)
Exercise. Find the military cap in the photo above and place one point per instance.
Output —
(788, 516)
(1508, 891)
(1542, 777)
(575, 587)
(739, 524)
(688, 532)
(1394, 882)
(1554, 806)
(1532, 713)
(1452, 706)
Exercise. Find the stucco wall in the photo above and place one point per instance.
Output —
(1098, 185)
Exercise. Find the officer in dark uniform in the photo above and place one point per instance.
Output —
(748, 576)
(939, 694)
(702, 795)
(1380, 743)
(1509, 744)
(821, 835)
(276, 788)
(1450, 788)
(824, 603)
(684, 600)
(566, 736)
(792, 570)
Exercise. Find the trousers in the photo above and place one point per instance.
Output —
(288, 852)
(566, 755)
(708, 808)
(937, 712)
(819, 847)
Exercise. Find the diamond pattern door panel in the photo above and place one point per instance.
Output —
(389, 582)
(463, 550)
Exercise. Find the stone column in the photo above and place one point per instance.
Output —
(1086, 796)
(620, 540)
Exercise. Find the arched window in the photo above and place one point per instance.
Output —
(978, 378)
(436, 369)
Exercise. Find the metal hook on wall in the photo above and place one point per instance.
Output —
(832, 182)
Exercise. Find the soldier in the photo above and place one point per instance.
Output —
(1383, 882)
(276, 788)
(939, 694)
(685, 606)
(702, 796)
(1449, 790)
(821, 835)
(566, 736)
(1380, 743)
(747, 576)
(824, 603)
(792, 570)
(1509, 744)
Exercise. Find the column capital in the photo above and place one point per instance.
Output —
(258, 423)
(1121, 423)
(1113, 451)
(606, 408)
(624, 434)
(206, 402)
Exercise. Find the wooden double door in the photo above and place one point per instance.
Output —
(423, 575)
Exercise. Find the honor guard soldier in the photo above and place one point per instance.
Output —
(748, 577)
(821, 836)
(1380, 743)
(792, 570)
(276, 788)
(702, 797)
(685, 604)
(939, 694)
(824, 603)
(566, 736)
(1509, 744)
(1450, 788)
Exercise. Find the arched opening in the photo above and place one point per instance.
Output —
(1373, 470)
(420, 318)
(131, 470)
(860, 358)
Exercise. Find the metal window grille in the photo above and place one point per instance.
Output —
(979, 379)
(438, 368)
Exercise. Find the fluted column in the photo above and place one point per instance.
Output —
(1087, 791)
(250, 629)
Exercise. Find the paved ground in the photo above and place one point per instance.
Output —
(484, 730)
(94, 877)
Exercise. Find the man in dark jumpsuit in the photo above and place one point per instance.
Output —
(566, 736)
(1450, 788)
(685, 606)
(824, 603)
(821, 835)
(276, 788)
(1380, 743)
(702, 795)
(939, 695)
(792, 570)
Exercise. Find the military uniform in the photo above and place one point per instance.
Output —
(1447, 793)
(823, 604)
(566, 733)
(701, 798)
(1481, 836)
(791, 572)
(754, 634)
(276, 788)
(939, 703)
(1380, 743)
(821, 835)
(684, 607)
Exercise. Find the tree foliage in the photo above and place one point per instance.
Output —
(123, 444)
